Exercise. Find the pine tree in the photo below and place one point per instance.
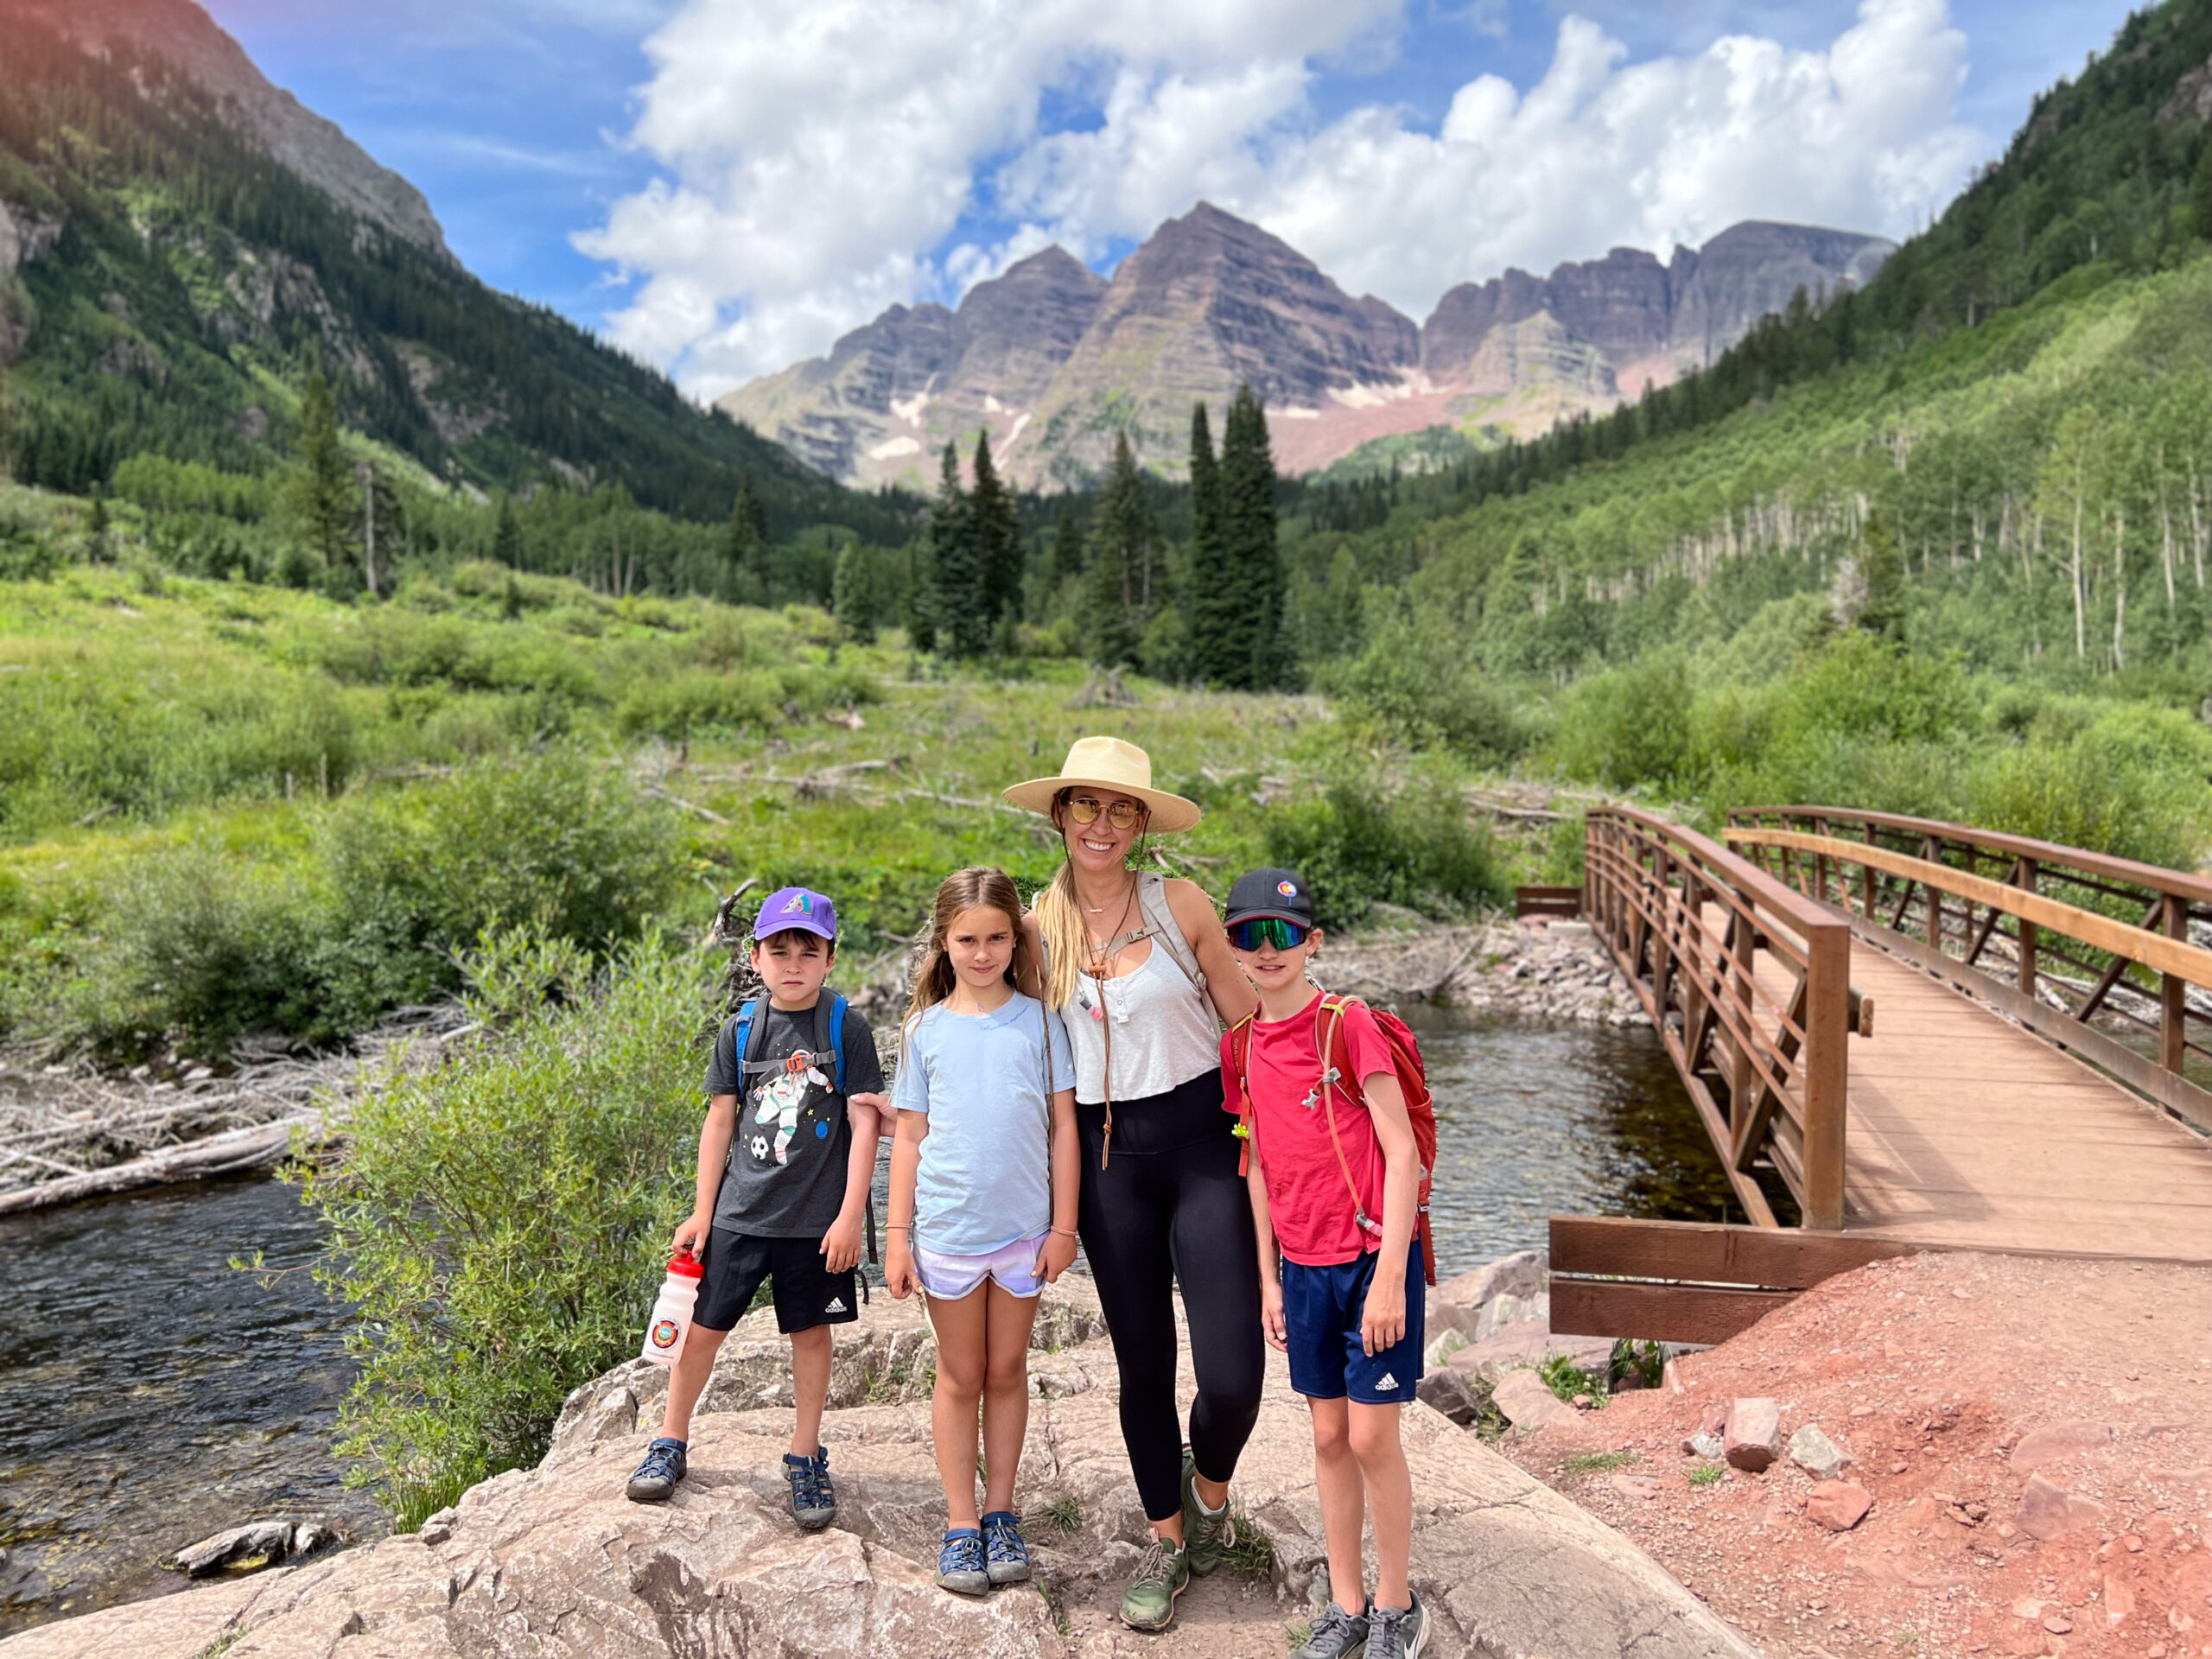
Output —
(506, 535)
(956, 573)
(748, 548)
(996, 528)
(1247, 520)
(1121, 543)
(322, 485)
(852, 591)
(1882, 564)
(1067, 547)
(1220, 647)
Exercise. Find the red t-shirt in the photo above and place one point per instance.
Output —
(1307, 1198)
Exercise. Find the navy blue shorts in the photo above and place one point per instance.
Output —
(1322, 1308)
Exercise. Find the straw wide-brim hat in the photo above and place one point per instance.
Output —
(1108, 763)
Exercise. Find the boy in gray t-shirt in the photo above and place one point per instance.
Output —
(785, 1158)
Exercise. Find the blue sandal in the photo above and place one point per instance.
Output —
(1008, 1549)
(960, 1564)
(814, 1500)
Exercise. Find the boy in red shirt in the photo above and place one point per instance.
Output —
(1346, 1305)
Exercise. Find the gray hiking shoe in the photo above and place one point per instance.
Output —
(1397, 1632)
(1206, 1538)
(1336, 1635)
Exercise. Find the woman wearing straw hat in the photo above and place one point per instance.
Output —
(1138, 967)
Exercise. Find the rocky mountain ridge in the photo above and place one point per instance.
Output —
(308, 144)
(1210, 300)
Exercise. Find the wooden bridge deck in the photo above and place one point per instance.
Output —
(1965, 1130)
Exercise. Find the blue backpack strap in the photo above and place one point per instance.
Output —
(837, 1038)
(751, 1032)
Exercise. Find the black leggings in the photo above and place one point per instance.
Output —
(1170, 1208)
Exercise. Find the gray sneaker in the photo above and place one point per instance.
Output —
(1336, 1635)
(1397, 1632)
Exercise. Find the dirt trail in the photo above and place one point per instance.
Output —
(1954, 1381)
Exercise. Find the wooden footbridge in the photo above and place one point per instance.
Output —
(1901, 1035)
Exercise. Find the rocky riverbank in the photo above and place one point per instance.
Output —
(555, 1561)
(1536, 968)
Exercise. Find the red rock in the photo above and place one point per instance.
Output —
(2039, 1445)
(1753, 1438)
(2057, 1623)
(1643, 1486)
(1839, 1505)
(2119, 1601)
(2049, 1511)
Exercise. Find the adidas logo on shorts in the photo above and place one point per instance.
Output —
(1388, 1382)
(837, 1305)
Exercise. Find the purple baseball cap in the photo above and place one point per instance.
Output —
(797, 908)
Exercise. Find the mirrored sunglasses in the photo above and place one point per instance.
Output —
(1252, 933)
(1122, 815)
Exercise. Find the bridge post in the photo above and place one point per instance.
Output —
(2027, 981)
(2173, 994)
(1827, 1075)
(1743, 940)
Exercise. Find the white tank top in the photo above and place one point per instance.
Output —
(1164, 1032)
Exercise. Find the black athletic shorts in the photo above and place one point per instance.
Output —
(806, 1293)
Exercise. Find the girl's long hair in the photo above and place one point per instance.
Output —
(1059, 919)
(981, 887)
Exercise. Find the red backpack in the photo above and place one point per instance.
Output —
(1413, 1082)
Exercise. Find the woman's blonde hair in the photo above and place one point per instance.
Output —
(981, 887)
(1059, 920)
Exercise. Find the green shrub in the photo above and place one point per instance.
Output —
(694, 700)
(1358, 846)
(207, 946)
(499, 1221)
(1628, 726)
(114, 729)
(1420, 684)
(194, 944)
(553, 839)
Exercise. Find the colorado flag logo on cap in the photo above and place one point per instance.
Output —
(1288, 889)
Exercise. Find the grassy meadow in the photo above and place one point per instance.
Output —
(228, 809)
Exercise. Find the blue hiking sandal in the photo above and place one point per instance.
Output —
(1008, 1550)
(960, 1564)
(657, 1476)
(814, 1500)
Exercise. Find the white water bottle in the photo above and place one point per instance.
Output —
(671, 1320)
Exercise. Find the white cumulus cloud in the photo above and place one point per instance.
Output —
(817, 160)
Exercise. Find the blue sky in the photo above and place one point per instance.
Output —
(722, 186)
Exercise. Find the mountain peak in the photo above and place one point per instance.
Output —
(307, 143)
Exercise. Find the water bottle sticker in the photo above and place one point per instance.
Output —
(665, 1333)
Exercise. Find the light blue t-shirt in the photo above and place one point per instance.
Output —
(986, 1177)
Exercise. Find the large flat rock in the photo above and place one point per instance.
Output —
(555, 1561)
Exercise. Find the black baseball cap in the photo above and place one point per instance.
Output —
(1270, 892)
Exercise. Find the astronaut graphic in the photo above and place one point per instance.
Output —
(780, 1099)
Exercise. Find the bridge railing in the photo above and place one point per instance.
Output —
(2055, 936)
(1762, 1054)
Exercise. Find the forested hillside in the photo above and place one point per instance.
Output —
(166, 286)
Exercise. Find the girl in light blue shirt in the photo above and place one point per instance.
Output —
(984, 1182)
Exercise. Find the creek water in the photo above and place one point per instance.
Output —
(150, 1395)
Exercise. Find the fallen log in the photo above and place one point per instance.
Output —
(232, 1153)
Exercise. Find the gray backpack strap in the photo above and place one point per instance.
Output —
(1159, 918)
